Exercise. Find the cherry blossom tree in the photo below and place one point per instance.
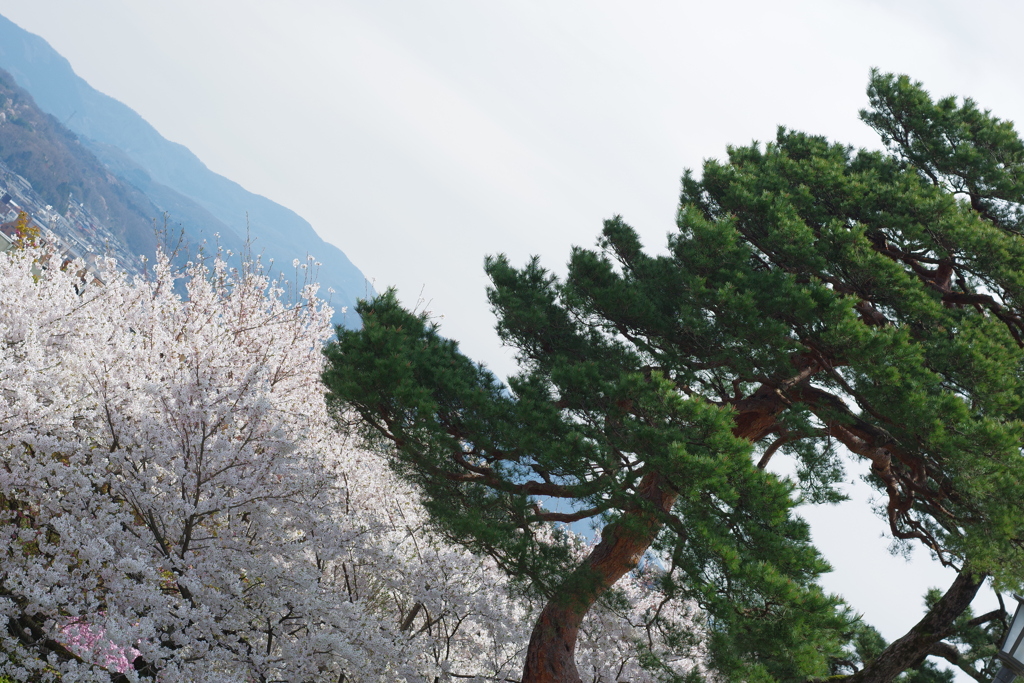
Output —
(176, 504)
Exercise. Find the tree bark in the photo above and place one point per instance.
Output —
(551, 655)
(907, 651)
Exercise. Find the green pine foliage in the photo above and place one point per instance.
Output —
(813, 297)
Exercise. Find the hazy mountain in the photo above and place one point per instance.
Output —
(35, 146)
(173, 179)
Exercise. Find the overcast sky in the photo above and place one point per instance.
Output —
(420, 136)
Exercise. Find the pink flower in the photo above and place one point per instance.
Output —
(86, 640)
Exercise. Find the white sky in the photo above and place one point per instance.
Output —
(419, 137)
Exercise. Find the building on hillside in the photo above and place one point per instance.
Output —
(6, 241)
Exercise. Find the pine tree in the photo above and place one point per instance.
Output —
(815, 299)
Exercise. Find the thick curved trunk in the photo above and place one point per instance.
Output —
(907, 651)
(551, 655)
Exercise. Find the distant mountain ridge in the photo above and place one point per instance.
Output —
(173, 179)
(67, 177)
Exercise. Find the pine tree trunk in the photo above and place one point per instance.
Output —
(551, 655)
(907, 651)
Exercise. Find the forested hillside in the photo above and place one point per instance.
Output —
(37, 147)
(204, 204)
